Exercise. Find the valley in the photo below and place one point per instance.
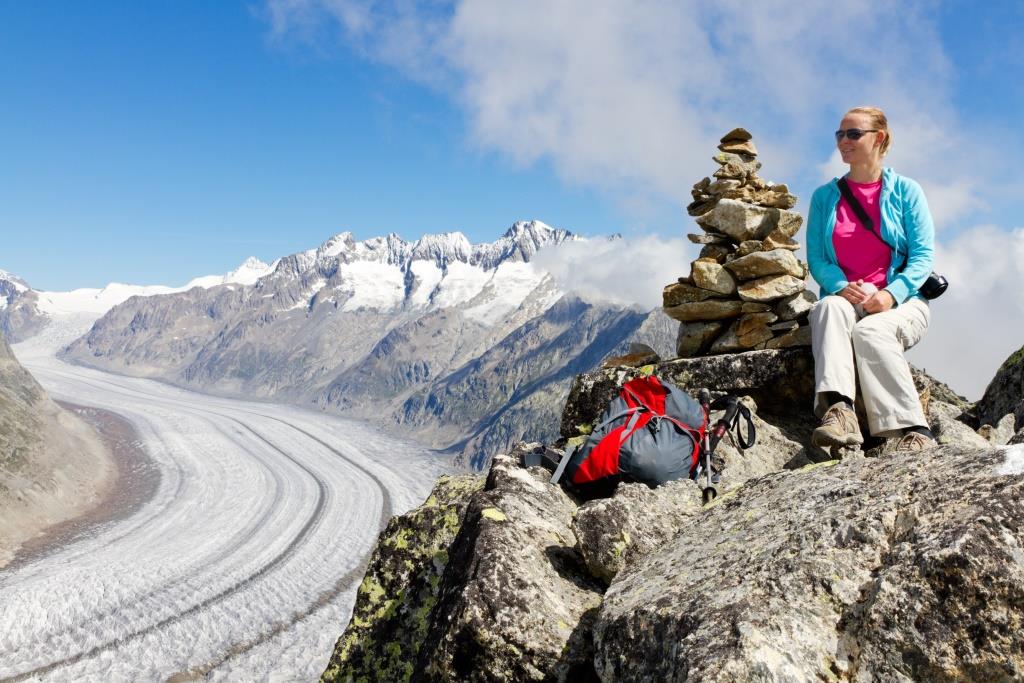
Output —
(244, 561)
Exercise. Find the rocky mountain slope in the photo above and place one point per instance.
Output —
(52, 466)
(452, 342)
(1004, 397)
(20, 316)
(883, 567)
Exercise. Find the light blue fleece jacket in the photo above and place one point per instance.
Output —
(906, 226)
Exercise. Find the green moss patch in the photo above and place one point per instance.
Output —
(394, 602)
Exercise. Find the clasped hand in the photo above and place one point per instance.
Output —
(876, 302)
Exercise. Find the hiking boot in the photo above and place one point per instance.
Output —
(838, 428)
(911, 442)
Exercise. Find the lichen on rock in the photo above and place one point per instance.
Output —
(398, 593)
(888, 568)
(636, 520)
(1004, 395)
(517, 600)
(871, 569)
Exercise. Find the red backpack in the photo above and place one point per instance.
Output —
(651, 433)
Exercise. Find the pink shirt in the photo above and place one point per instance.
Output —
(861, 256)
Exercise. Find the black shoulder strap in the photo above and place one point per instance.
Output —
(734, 410)
(751, 431)
(858, 209)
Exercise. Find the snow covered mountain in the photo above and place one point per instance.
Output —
(24, 312)
(395, 332)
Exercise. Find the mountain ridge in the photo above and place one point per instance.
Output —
(382, 329)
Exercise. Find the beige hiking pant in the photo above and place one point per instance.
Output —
(847, 347)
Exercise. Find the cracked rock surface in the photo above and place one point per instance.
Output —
(892, 568)
(633, 523)
(889, 569)
(391, 615)
(516, 600)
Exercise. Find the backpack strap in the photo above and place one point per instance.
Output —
(560, 470)
(858, 209)
(744, 412)
(661, 415)
(629, 411)
(564, 462)
(630, 426)
(734, 410)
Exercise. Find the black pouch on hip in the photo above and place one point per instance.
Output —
(934, 286)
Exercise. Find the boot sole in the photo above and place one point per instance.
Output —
(826, 439)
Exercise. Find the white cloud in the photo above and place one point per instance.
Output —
(404, 34)
(601, 97)
(302, 21)
(630, 270)
(979, 321)
(630, 97)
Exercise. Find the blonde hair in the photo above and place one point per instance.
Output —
(878, 122)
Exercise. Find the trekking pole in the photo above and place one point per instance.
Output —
(714, 436)
(709, 491)
(732, 407)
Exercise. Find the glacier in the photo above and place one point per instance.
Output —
(244, 562)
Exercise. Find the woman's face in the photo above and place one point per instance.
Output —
(867, 149)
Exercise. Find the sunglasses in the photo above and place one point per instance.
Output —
(853, 133)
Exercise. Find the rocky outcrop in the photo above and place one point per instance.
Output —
(52, 466)
(884, 569)
(20, 317)
(804, 568)
(635, 522)
(870, 568)
(746, 288)
(395, 599)
(1004, 394)
(888, 568)
(517, 601)
(948, 426)
(514, 601)
(19, 392)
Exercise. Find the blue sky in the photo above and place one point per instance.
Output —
(152, 142)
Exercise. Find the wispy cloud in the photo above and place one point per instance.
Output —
(630, 98)
(629, 270)
(979, 321)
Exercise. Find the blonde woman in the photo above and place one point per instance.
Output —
(869, 260)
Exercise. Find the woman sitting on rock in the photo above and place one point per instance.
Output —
(870, 310)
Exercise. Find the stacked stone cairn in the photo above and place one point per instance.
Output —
(746, 289)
